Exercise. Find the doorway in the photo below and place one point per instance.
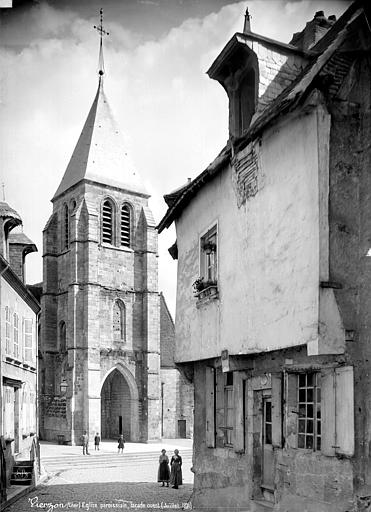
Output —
(182, 429)
(267, 451)
(115, 407)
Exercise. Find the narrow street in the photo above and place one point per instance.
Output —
(106, 480)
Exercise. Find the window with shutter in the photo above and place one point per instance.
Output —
(126, 225)
(16, 335)
(338, 411)
(8, 348)
(28, 349)
(107, 222)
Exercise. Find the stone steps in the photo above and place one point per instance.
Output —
(22, 473)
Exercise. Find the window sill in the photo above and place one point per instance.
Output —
(121, 248)
(206, 295)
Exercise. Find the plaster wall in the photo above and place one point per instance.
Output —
(268, 284)
(17, 368)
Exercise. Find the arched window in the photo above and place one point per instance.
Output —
(62, 338)
(107, 222)
(126, 225)
(66, 227)
(119, 321)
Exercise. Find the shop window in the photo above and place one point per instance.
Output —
(309, 408)
(320, 411)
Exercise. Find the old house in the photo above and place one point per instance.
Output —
(273, 286)
(104, 324)
(18, 351)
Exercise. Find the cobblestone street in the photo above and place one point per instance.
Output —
(104, 496)
(106, 480)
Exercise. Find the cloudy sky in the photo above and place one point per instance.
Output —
(156, 56)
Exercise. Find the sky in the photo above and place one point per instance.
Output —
(156, 57)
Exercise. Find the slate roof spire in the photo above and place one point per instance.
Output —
(101, 154)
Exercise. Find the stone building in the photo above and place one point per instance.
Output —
(18, 348)
(103, 320)
(273, 247)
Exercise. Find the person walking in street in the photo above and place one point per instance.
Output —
(176, 477)
(96, 441)
(163, 474)
(121, 444)
(85, 443)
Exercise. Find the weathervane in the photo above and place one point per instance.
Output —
(102, 33)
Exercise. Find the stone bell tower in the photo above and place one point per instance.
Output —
(100, 343)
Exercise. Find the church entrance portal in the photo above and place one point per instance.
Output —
(116, 407)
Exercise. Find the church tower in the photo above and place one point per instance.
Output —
(100, 340)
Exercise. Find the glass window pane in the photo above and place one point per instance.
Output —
(309, 442)
(268, 433)
(310, 411)
(302, 380)
(310, 426)
(310, 395)
(310, 379)
(302, 395)
(301, 439)
(301, 425)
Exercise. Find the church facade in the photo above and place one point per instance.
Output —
(101, 309)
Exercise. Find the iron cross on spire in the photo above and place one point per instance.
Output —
(102, 33)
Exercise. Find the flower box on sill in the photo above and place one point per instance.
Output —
(208, 293)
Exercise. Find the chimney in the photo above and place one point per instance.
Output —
(314, 30)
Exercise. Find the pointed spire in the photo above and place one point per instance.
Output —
(101, 32)
(247, 26)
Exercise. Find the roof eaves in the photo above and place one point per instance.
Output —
(191, 190)
(11, 277)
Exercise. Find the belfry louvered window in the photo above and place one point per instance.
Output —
(66, 227)
(107, 222)
(126, 225)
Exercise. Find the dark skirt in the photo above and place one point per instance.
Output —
(176, 477)
(163, 474)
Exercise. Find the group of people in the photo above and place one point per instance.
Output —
(167, 474)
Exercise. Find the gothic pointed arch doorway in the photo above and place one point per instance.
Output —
(119, 405)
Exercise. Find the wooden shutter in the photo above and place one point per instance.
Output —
(291, 409)
(344, 411)
(277, 409)
(328, 412)
(219, 408)
(210, 407)
(239, 430)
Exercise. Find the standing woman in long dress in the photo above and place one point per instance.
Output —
(163, 474)
(176, 470)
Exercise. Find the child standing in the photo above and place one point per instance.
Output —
(121, 444)
(96, 441)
